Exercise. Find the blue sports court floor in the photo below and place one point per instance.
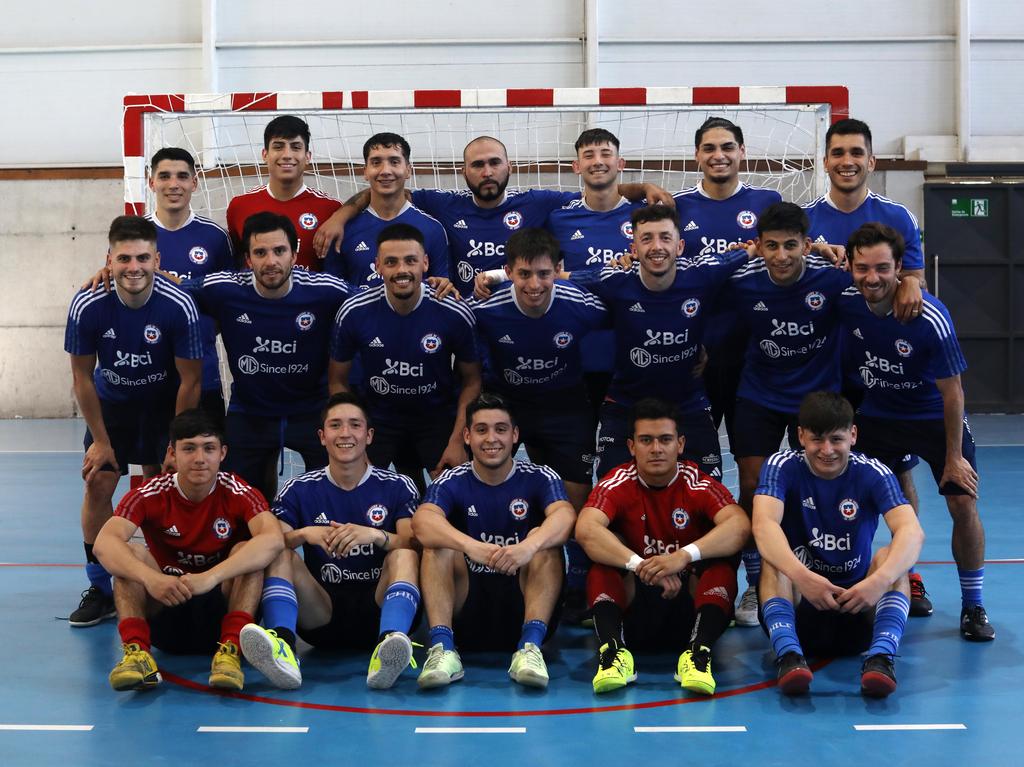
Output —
(957, 703)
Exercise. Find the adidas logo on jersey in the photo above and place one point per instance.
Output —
(690, 227)
(637, 308)
(321, 519)
(821, 238)
(460, 224)
(856, 332)
(243, 318)
(376, 342)
(506, 339)
(577, 235)
(362, 246)
(471, 511)
(110, 334)
(760, 307)
(173, 531)
(809, 503)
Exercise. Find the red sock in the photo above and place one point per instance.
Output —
(231, 626)
(135, 631)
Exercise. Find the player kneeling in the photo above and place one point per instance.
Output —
(209, 537)
(492, 531)
(357, 583)
(690, 531)
(815, 514)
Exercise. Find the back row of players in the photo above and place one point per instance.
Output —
(277, 323)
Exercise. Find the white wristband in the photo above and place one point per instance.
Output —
(634, 560)
(494, 276)
(693, 551)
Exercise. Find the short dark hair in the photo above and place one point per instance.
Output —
(849, 127)
(265, 222)
(344, 398)
(388, 141)
(125, 228)
(488, 401)
(874, 233)
(783, 217)
(286, 126)
(592, 136)
(400, 231)
(822, 412)
(652, 409)
(531, 243)
(653, 213)
(718, 122)
(484, 138)
(175, 154)
(195, 423)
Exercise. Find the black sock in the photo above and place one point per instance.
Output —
(286, 634)
(711, 623)
(89, 556)
(608, 622)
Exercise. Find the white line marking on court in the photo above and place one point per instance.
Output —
(48, 727)
(903, 727)
(724, 728)
(470, 730)
(253, 729)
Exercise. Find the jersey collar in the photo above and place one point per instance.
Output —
(515, 465)
(375, 214)
(831, 203)
(671, 481)
(622, 201)
(302, 190)
(700, 190)
(159, 224)
(291, 284)
(504, 199)
(177, 486)
(366, 476)
(387, 298)
(551, 301)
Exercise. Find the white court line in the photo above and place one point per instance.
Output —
(253, 729)
(470, 730)
(725, 728)
(902, 727)
(47, 727)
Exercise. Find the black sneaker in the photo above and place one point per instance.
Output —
(974, 625)
(920, 604)
(794, 676)
(94, 607)
(877, 676)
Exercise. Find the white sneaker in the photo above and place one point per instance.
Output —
(265, 650)
(441, 668)
(746, 610)
(528, 667)
(389, 660)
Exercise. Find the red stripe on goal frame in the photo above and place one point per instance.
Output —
(253, 102)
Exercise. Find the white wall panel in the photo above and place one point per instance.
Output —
(997, 18)
(58, 23)
(997, 87)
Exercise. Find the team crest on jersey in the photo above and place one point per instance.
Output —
(814, 300)
(680, 518)
(903, 348)
(151, 334)
(848, 509)
(222, 528)
(746, 219)
(513, 219)
(431, 342)
(305, 320)
(308, 221)
(376, 514)
(198, 255)
(519, 508)
(627, 229)
(562, 339)
(691, 306)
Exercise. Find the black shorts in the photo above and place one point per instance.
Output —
(759, 430)
(492, 617)
(192, 628)
(825, 633)
(653, 624)
(722, 380)
(354, 623)
(892, 441)
(254, 442)
(559, 434)
(137, 431)
(417, 442)
(211, 402)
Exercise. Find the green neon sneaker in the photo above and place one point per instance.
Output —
(615, 668)
(271, 655)
(390, 658)
(693, 671)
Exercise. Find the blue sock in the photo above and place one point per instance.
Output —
(279, 604)
(890, 620)
(442, 635)
(752, 564)
(533, 631)
(99, 577)
(780, 618)
(970, 586)
(399, 608)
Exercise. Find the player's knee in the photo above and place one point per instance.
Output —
(100, 486)
(962, 507)
(402, 565)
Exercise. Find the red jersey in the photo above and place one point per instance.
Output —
(307, 211)
(659, 520)
(187, 537)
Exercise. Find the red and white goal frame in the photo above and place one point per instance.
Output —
(784, 131)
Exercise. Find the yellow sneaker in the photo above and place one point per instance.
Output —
(226, 669)
(693, 671)
(615, 668)
(390, 658)
(265, 650)
(136, 671)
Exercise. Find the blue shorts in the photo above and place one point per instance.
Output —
(559, 434)
(137, 431)
(891, 441)
(758, 430)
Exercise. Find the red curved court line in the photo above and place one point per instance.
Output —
(197, 687)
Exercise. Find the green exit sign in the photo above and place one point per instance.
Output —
(969, 207)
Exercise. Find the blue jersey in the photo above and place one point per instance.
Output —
(135, 348)
(658, 334)
(531, 357)
(501, 514)
(829, 224)
(793, 346)
(477, 236)
(276, 347)
(406, 360)
(197, 248)
(356, 263)
(380, 499)
(830, 523)
(710, 227)
(898, 363)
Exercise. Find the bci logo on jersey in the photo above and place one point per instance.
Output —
(376, 514)
(882, 364)
(829, 542)
(627, 229)
(784, 328)
(401, 368)
(125, 359)
(814, 300)
(690, 307)
(431, 342)
(198, 255)
(151, 334)
(746, 219)
(513, 219)
(604, 256)
(529, 363)
(680, 518)
(485, 248)
(903, 348)
(222, 528)
(562, 339)
(848, 509)
(308, 221)
(710, 246)
(273, 346)
(519, 508)
(666, 337)
(305, 320)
